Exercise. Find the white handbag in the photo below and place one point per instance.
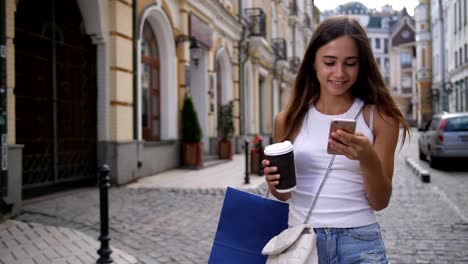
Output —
(297, 245)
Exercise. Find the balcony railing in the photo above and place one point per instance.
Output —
(256, 21)
(280, 48)
(294, 63)
(407, 90)
(406, 65)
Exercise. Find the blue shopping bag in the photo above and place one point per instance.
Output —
(246, 224)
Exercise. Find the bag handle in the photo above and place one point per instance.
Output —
(327, 172)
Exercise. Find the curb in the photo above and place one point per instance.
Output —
(214, 191)
(418, 170)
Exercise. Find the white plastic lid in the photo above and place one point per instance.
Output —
(278, 148)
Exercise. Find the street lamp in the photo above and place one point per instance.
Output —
(195, 49)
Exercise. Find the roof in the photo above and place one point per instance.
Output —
(352, 8)
(375, 22)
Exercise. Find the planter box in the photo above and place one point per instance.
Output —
(193, 154)
(225, 149)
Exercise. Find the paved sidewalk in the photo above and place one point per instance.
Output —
(230, 173)
(26, 241)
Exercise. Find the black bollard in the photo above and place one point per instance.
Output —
(247, 176)
(260, 158)
(104, 184)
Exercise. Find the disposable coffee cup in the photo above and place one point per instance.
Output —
(281, 155)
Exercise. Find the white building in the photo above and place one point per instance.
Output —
(450, 54)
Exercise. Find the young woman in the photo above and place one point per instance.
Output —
(339, 77)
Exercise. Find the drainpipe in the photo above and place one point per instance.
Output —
(135, 80)
(5, 206)
(241, 75)
(443, 96)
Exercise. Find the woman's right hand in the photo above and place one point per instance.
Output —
(271, 178)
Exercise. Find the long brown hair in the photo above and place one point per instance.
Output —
(368, 87)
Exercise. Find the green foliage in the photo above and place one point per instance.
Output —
(225, 122)
(191, 131)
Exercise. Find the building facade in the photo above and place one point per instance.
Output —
(449, 34)
(95, 82)
(403, 65)
(423, 63)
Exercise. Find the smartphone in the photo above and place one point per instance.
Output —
(348, 125)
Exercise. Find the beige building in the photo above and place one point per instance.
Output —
(402, 66)
(94, 82)
(423, 63)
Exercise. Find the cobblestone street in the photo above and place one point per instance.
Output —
(421, 225)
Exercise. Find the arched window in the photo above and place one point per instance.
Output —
(150, 85)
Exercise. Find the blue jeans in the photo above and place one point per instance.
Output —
(351, 245)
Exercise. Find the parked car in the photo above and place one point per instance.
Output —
(445, 137)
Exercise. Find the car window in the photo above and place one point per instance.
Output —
(434, 124)
(457, 124)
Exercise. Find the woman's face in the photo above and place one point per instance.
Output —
(337, 66)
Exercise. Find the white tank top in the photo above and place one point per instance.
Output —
(342, 202)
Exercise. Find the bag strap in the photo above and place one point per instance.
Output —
(327, 172)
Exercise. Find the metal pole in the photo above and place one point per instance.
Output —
(104, 184)
(443, 95)
(260, 158)
(54, 96)
(3, 109)
(246, 178)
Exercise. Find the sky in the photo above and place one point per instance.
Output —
(396, 4)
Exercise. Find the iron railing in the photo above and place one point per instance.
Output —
(294, 63)
(280, 48)
(256, 21)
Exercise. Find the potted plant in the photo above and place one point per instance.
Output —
(192, 147)
(225, 129)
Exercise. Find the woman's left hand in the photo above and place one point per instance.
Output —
(354, 146)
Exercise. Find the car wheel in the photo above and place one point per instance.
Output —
(434, 163)
(422, 156)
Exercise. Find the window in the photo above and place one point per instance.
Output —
(423, 57)
(464, 10)
(460, 54)
(370, 41)
(378, 61)
(456, 59)
(385, 41)
(405, 59)
(466, 52)
(150, 93)
(455, 17)
(459, 14)
(377, 43)
(387, 64)
(457, 124)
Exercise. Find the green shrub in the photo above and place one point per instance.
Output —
(191, 131)
(225, 122)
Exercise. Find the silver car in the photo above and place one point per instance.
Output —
(444, 137)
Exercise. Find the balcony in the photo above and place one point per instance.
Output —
(406, 65)
(256, 22)
(280, 48)
(406, 90)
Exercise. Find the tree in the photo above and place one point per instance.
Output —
(191, 131)
(225, 122)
